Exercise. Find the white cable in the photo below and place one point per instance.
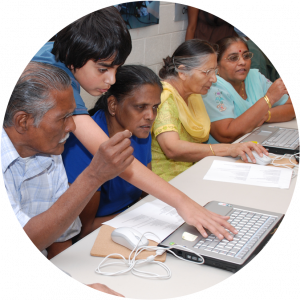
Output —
(290, 165)
(132, 263)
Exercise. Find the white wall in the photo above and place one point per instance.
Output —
(153, 43)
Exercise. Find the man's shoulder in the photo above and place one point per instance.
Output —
(8, 151)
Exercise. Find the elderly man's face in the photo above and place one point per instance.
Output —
(50, 135)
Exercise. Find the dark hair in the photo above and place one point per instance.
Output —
(128, 79)
(32, 91)
(100, 35)
(225, 43)
(191, 54)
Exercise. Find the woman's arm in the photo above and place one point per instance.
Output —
(282, 113)
(91, 136)
(179, 150)
(192, 22)
(229, 130)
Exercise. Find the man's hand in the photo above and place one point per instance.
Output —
(198, 216)
(112, 157)
(103, 288)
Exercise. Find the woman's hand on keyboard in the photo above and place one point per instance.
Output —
(201, 218)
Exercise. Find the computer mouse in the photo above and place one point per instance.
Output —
(128, 237)
(265, 160)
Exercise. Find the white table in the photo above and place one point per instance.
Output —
(77, 261)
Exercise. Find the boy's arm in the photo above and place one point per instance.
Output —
(91, 136)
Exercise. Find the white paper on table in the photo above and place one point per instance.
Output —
(250, 174)
(156, 216)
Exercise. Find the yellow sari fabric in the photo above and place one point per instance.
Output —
(193, 116)
(190, 121)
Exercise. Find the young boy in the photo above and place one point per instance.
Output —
(90, 50)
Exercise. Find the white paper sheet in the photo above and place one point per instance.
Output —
(156, 216)
(250, 174)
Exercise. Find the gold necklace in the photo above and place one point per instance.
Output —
(243, 95)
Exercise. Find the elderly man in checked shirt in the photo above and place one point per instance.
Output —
(37, 123)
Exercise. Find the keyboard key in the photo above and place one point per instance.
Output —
(207, 249)
(234, 250)
(213, 244)
(245, 239)
(220, 247)
(231, 244)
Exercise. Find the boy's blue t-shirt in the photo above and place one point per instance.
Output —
(44, 55)
(116, 194)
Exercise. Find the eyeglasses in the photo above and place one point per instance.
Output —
(209, 72)
(236, 57)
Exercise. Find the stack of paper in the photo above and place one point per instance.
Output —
(156, 217)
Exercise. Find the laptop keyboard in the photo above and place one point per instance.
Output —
(251, 227)
(284, 137)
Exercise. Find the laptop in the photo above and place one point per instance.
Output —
(277, 140)
(255, 228)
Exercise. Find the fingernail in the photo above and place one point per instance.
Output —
(235, 232)
(129, 132)
(221, 237)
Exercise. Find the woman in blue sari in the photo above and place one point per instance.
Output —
(242, 98)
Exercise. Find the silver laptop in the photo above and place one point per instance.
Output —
(277, 140)
(255, 228)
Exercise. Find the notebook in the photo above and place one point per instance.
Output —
(255, 228)
(277, 140)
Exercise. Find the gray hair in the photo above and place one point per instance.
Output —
(32, 91)
(190, 54)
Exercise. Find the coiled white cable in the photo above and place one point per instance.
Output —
(132, 263)
(291, 165)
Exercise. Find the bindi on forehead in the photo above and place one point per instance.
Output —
(238, 51)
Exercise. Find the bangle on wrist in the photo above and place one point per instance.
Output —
(212, 151)
(269, 116)
(268, 101)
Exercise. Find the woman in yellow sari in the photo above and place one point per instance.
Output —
(182, 123)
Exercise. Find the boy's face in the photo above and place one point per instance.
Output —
(96, 77)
